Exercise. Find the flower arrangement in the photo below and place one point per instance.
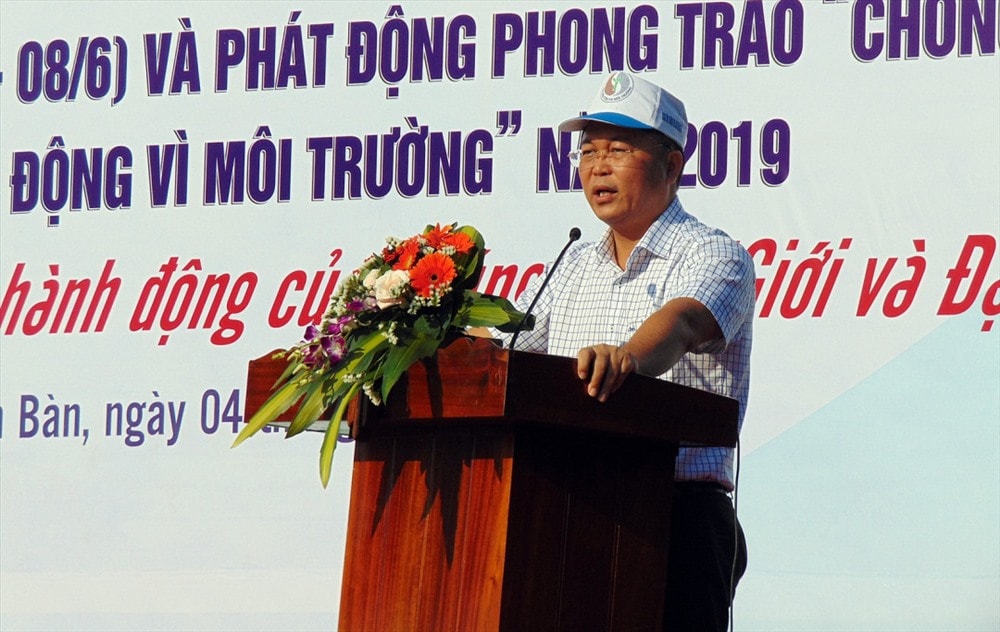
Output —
(394, 310)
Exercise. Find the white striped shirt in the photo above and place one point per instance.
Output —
(590, 300)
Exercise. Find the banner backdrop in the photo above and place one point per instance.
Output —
(188, 181)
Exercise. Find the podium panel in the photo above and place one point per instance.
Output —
(491, 493)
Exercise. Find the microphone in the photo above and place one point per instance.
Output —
(574, 234)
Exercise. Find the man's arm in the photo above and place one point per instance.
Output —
(681, 325)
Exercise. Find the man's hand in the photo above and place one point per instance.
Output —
(670, 332)
(606, 367)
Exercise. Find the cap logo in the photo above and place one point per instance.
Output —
(618, 86)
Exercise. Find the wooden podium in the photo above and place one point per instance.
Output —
(491, 493)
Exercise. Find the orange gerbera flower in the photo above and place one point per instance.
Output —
(434, 271)
(435, 236)
(461, 242)
(439, 236)
(403, 256)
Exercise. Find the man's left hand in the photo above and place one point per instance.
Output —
(606, 367)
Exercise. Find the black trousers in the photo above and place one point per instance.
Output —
(705, 538)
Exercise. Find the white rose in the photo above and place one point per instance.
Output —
(389, 286)
(369, 281)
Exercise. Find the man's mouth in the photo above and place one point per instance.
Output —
(603, 191)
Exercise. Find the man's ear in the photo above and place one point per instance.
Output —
(674, 167)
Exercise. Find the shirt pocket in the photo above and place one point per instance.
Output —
(647, 301)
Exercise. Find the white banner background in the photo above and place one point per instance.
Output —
(871, 448)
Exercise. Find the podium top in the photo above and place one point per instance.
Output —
(473, 381)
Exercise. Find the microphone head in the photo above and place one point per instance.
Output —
(574, 233)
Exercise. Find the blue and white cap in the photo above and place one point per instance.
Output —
(628, 101)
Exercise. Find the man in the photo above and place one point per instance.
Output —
(660, 294)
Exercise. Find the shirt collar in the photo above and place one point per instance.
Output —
(653, 241)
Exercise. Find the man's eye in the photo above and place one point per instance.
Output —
(619, 151)
(587, 153)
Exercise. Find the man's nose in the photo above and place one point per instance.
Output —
(602, 163)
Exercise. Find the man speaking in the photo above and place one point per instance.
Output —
(659, 294)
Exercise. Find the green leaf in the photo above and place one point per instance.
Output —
(516, 321)
(276, 404)
(362, 356)
(479, 310)
(330, 436)
(292, 367)
(482, 312)
(311, 408)
(431, 325)
(372, 362)
(400, 359)
(472, 263)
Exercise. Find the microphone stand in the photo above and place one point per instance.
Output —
(574, 234)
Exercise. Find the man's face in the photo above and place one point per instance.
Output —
(626, 180)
